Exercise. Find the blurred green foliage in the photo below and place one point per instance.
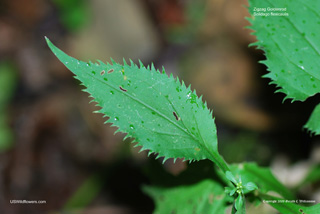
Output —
(74, 14)
(7, 86)
(85, 193)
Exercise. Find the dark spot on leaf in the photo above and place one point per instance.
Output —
(300, 210)
(110, 71)
(93, 72)
(122, 89)
(175, 115)
(102, 72)
(105, 79)
(173, 212)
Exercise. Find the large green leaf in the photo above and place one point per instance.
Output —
(313, 124)
(291, 44)
(204, 197)
(160, 113)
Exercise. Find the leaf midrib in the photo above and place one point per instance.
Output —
(145, 105)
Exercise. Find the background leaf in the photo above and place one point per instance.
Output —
(312, 176)
(204, 197)
(7, 86)
(292, 46)
(291, 206)
(313, 124)
(160, 113)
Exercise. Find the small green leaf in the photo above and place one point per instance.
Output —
(291, 43)
(240, 205)
(230, 190)
(204, 197)
(161, 114)
(313, 124)
(250, 186)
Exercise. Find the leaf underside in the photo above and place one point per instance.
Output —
(161, 114)
(204, 197)
(291, 45)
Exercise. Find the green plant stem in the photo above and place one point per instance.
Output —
(221, 163)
